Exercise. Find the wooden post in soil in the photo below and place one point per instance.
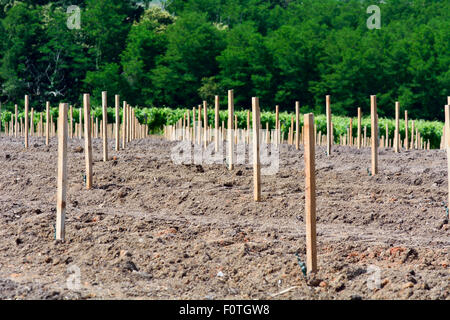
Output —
(447, 145)
(32, 122)
(199, 131)
(412, 135)
(359, 129)
(205, 123)
(310, 194)
(193, 125)
(71, 122)
(216, 123)
(124, 124)
(397, 127)
(297, 125)
(406, 130)
(117, 98)
(16, 125)
(47, 122)
(27, 104)
(230, 130)
(277, 125)
(256, 163)
(87, 140)
(329, 134)
(62, 172)
(248, 127)
(386, 142)
(350, 132)
(105, 126)
(374, 136)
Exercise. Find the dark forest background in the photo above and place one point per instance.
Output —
(189, 51)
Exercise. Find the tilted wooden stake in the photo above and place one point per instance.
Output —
(256, 163)
(329, 133)
(117, 100)
(62, 172)
(230, 130)
(105, 126)
(27, 104)
(310, 194)
(87, 140)
(374, 136)
(216, 124)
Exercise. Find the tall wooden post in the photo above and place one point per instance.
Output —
(329, 133)
(117, 100)
(216, 124)
(297, 125)
(193, 125)
(397, 127)
(124, 124)
(87, 140)
(256, 163)
(350, 132)
(27, 104)
(62, 172)
(412, 135)
(310, 194)
(230, 130)
(105, 126)
(406, 130)
(374, 136)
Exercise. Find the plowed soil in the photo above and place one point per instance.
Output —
(152, 229)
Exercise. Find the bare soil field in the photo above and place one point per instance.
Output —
(151, 229)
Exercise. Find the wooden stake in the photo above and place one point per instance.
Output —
(87, 140)
(105, 126)
(256, 164)
(329, 134)
(117, 100)
(230, 130)
(27, 104)
(205, 121)
(297, 125)
(310, 194)
(16, 124)
(62, 172)
(277, 125)
(447, 145)
(406, 130)
(397, 128)
(359, 129)
(374, 136)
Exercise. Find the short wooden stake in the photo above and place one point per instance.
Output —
(62, 172)
(310, 194)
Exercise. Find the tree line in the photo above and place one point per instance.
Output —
(177, 53)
